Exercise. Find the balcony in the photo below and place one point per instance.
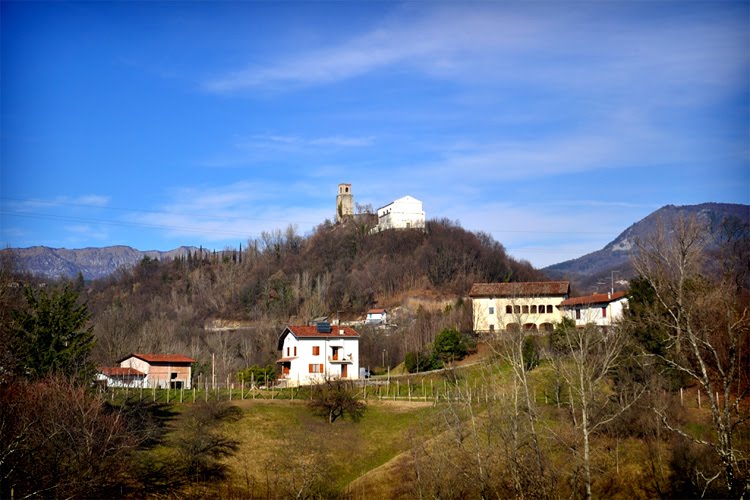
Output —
(341, 359)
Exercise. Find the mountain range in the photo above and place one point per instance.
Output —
(604, 267)
(586, 273)
(92, 263)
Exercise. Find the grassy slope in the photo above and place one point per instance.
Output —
(278, 436)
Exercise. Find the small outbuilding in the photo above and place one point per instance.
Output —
(161, 370)
(376, 316)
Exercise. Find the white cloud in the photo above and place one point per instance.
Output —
(235, 212)
(599, 48)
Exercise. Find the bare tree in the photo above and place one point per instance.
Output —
(586, 362)
(706, 323)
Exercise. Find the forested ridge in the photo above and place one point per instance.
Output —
(282, 277)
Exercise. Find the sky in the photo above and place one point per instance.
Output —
(552, 126)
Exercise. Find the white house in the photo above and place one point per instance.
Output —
(161, 370)
(532, 306)
(600, 309)
(404, 213)
(311, 354)
(376, 316)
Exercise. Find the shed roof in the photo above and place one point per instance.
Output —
(160, 358)
(119, 371)
(376, 311)
(597, 298)
(520, 289)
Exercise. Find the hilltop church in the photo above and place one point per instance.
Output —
(403, 213)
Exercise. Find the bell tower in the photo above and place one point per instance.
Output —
(344, 202)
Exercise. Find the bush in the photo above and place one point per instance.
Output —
(530, 353)
(421, 362)
(334, 400)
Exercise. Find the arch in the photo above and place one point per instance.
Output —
(513, 327)
(530, 327)
(546, 327)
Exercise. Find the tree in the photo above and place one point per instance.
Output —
(58, 440)
(336, 399)
(700, 305)
(201, 444)
(450, 346)
(587, 358)
(51, 335)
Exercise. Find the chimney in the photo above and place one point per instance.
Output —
(341, 331)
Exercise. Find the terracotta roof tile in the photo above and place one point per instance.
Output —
(312, 331)
(118, 371)
(376, 311)
(597, 298)
(520, 289)
(160, 358)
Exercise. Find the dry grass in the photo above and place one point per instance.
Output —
(282, 443)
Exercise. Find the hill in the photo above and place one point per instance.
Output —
(598, 267)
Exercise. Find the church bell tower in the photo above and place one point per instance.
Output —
(344, 202)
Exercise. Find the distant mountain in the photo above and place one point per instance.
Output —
(93, 263)
(596, 269)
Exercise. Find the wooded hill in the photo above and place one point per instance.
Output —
(340, 269)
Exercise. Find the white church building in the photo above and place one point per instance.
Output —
(403, 213)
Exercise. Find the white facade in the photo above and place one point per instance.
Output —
(309, 356)
(376, 317)
(529, 306)
(404, 213)
(600, 309)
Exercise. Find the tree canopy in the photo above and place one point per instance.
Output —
(52, 336)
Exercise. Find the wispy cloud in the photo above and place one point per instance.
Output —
(234, 212)
(598, 49)
(263, 147)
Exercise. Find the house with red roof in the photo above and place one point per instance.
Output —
(312, 354)
(600, 309)
(376, 316)
(531, 306)
(158, 370)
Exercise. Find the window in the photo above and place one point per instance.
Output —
(492, 310)
(492, 328)
(533, 309)
(541, 309)
(287, 352)
(316, 350)
(549, 309)
(517, 309)
(295, 350)
(316, 368)
(508, 309)
(578, 314)
(526, 309)
(604, 312)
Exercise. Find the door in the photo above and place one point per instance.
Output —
(344, 371)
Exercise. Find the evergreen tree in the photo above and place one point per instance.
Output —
(51, 336)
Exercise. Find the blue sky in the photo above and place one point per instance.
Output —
(552, 126)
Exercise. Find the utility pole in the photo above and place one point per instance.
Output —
(213, 373)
